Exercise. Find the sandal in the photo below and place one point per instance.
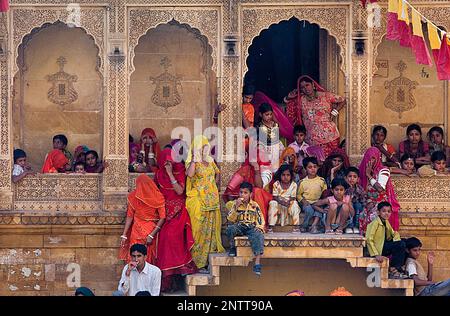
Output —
(296, 231)
(338, 231)
(395, 274)
(329, 232)
(314, 230)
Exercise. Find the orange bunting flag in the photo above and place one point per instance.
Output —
(404, 30)
(392, 21)
(418, 44)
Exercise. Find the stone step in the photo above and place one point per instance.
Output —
(176, 293)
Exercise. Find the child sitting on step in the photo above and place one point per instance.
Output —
(284, 209)
(246, 219)
(383, 241)
(340, 208)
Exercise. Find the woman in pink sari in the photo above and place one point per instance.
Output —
(375, 179)
(314, 107)
(175, 237)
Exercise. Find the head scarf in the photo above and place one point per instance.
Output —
(146, 193)
(295, 111)
(156, 149)
(197, 144)
(340, 291)
(328, 165)
(390, 193)
(136, 147)
(177, 145)
(55, 161)
(288, 151)
(177, 169)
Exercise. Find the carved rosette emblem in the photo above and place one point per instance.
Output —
(166, 92)
(62, 91)
(400, 97)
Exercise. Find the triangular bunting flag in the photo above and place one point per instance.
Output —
(418, 44)
(443, 60)
(4, 5)
(403, 24)
(392, 21)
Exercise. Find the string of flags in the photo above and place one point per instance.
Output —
(399, 29)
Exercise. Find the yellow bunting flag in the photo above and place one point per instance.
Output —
(433, 36)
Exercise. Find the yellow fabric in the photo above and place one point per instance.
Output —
(393, 6)
(203, 205)
(377, 233)
(311, 189)
(417, 24)
(197, 145)
(433, 36)
(403, 11)
(249, 214)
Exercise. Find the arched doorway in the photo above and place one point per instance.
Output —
(173, 82)
(57, 90)
(288, 49)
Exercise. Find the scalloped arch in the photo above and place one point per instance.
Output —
(256, 19)
(341, 53)
(37, 29)
(187, 26)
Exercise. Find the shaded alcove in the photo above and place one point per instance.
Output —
(173, 82)
(57, 90)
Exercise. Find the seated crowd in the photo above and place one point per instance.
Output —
(174, 220)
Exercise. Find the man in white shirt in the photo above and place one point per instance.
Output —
(139, 275)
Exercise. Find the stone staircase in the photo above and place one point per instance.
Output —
(283, 245)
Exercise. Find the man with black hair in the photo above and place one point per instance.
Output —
(423, 283)
(139, 275)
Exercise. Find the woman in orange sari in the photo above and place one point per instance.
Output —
(314, 107)
(55, 162)
(175, 238)
(145, 216)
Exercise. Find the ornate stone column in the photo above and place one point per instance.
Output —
(115, 136)
(5, 118)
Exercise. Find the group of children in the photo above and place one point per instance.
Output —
(59, 160)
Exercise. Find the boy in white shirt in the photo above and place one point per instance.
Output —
(20, 169)
(423, 283)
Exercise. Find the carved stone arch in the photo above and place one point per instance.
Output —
(203, 39)
(25, 20)
(255, 20)
(36, 30)
(202, 21)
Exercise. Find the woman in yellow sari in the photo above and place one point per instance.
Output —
(202, 202)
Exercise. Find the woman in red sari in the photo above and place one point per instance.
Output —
(175, 238)
(375, 178)
(314, 107)
(145, 216)
(55, 162)
(150, 149)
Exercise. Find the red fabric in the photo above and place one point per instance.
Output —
(146, 205)
(175, 238)
(392, 32)
(4, 5)
(442, 58)
(156, 148)
(285, 125)
(364, 2)
(55, 162)
(405, 34)
(389, 192)
(420, 50)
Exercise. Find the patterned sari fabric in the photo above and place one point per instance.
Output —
(284, 215)
(373, 196)
(55, 162)
(315, 114)
(203, 205)
(146, 206)
(175, 238)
